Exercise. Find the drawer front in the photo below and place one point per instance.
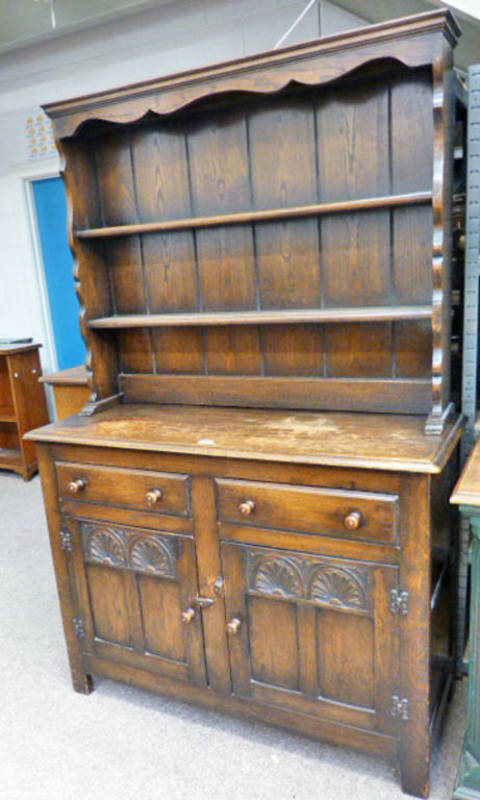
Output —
(159, 492)
(359, 515)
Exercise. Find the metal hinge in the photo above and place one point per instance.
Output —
(399, 708)
(66, 541)
(399, 602)
(79, 627)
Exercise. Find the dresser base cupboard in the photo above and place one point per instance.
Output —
(292, 567)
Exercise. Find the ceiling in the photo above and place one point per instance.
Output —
(26, 21)
(466, 12)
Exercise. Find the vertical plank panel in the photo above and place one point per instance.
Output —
(115, 179)
(178, 350)
(413, 349)
(412, 159)
(161, 177)
(126, 275)
(135, 350)
(359, 350)
(170, 272)
(226, 266)
(353, 147)
(233, 350)
(283, 173)
(292, 349)
(218, 157)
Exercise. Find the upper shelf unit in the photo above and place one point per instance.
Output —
(278, 221)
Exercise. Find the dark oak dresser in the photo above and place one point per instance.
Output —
(251, 512)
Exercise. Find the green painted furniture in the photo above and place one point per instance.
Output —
(467, 495)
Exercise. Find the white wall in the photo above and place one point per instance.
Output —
(169, 38)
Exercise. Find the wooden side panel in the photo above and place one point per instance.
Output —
(91, 273)
(273, 640)
(345, 653)
(6, 399)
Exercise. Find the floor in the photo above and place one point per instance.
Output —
(130, 745)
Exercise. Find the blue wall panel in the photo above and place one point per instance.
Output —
(51, 210)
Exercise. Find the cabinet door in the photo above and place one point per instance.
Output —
(312, 634)
(132, 586)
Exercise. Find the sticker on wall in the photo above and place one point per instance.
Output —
(39, 133)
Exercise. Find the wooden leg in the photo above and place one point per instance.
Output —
(82, 682)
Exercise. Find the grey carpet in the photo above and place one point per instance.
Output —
(127, 744)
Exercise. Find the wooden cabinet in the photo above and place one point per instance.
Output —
(250, 512)
(70, 390)
(22, 406)
(307, 594)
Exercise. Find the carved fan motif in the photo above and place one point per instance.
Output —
(277, 576)
(105, 546)
(152, 555)
(337, 586)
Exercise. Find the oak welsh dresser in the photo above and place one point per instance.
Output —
(251, 511)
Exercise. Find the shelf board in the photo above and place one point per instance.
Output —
(293, 316)
(8, 418)
(10, 457)
(267, 215)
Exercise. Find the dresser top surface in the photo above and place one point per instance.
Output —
(467, 490)
(370, 441)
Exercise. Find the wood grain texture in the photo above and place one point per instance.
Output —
(412, 40)
(373, 441)
(339, 394)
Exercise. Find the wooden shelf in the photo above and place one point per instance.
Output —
(10, 457)
(299, 316)
(8, 418)
(267, 215)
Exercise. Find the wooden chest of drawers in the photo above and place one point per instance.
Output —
(298, 593)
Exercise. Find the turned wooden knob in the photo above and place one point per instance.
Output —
(234, 626)
(188, 615)
(76, 486)
(352, 521)
(247, 507)
(153, 496)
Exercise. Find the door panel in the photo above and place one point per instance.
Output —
(132, 586)
(315, 633)
(274, 658)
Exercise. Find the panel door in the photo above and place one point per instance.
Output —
(312, 634)
(132, 587)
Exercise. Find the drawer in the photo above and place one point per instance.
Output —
(159, 492)
(329, 512)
